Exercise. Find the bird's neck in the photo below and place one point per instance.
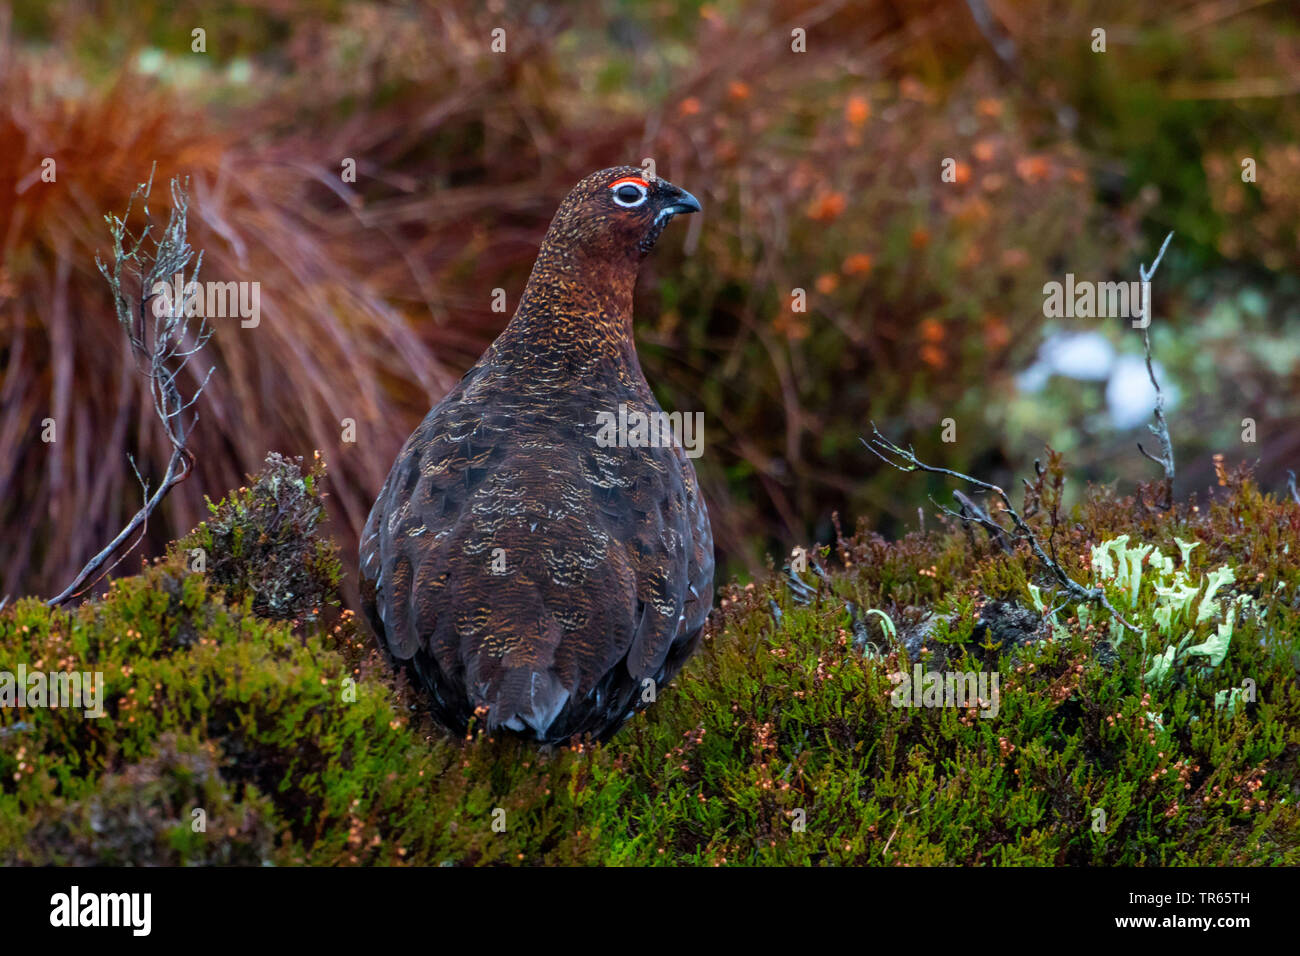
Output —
(574, 303)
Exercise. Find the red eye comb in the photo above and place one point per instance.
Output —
(636, 180)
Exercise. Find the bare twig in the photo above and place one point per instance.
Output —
(800, 590)
(1290, 486)
(158, 330)
(904, 459)
(1003, 45)
(885, 848)
(1161, 428)
(970, 509)
(1034, 489)
(993, 31)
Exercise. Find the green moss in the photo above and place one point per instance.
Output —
(779, 744)
(154, 812)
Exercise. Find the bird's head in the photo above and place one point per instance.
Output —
(618, 212)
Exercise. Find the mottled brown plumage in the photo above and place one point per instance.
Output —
(514, 566)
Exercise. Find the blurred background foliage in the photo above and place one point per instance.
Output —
(818, 171)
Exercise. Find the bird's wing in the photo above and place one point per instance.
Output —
(505, 553)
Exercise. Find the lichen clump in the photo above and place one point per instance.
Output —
(1170, 606)
(261, 541)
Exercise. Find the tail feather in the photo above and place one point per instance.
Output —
(527, 698)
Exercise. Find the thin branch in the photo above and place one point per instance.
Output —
(178, 469)
(1161, 428)
(904, 459)
(994, 33)
(971, 511)
(157, 326)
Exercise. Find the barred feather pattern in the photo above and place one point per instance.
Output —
(515, 567)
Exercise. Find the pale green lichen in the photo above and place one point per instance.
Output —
(1170, 603)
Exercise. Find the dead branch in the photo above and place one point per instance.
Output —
(995, 34)
(882, 447)
(162, 341)
(971, 512)
(1161, 428)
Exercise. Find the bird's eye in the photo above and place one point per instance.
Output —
(629, 194)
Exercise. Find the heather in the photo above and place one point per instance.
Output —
(778, 743)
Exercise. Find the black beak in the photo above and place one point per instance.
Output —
(673, 200)
(682, 202)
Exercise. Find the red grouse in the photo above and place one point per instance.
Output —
(518, 564)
